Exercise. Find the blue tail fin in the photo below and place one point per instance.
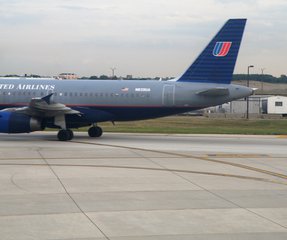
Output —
(216, 63)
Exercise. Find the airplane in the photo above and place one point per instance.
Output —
(29, 105)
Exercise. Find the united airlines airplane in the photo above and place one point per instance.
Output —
(29, 105)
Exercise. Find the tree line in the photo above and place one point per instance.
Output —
(261, 78)
(255, 77)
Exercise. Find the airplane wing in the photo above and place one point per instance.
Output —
(212, 92)
(44, 107)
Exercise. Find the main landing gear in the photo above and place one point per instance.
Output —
(67, 134)
(95, 131)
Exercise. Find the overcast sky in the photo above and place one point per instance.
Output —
(138, 37)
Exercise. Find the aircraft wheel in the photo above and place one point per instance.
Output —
(95, 132)
(71, 134)
(65, 135)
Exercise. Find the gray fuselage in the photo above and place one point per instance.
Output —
(122, 99)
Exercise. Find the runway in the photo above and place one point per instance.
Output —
(143, 187)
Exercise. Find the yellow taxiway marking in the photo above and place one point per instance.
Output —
(228, 155)
(282, 136)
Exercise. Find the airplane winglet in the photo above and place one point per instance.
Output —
(47, 98)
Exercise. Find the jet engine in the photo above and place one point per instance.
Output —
(12, 122)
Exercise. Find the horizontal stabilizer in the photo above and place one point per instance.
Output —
(214, 92)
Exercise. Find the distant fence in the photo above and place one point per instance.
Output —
(243, 115)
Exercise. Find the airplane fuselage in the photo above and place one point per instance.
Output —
(117, 100)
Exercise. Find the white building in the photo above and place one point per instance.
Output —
(276, 105)
(68, 76)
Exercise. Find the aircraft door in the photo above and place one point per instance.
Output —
(168, 95)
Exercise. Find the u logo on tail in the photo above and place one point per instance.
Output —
(221, 49)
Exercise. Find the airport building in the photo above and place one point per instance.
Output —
(275, 105)
(260, 106)
(68, 76)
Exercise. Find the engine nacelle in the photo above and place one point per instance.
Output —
(12, 122)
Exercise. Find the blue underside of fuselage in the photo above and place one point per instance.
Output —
(98, 114)
(102, 114)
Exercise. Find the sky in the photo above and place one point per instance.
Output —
(137, 37)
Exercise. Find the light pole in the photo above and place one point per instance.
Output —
(113, 72)
(247, 109)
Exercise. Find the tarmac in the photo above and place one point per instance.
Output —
(143, 187)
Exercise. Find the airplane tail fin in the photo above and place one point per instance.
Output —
(217, 61)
